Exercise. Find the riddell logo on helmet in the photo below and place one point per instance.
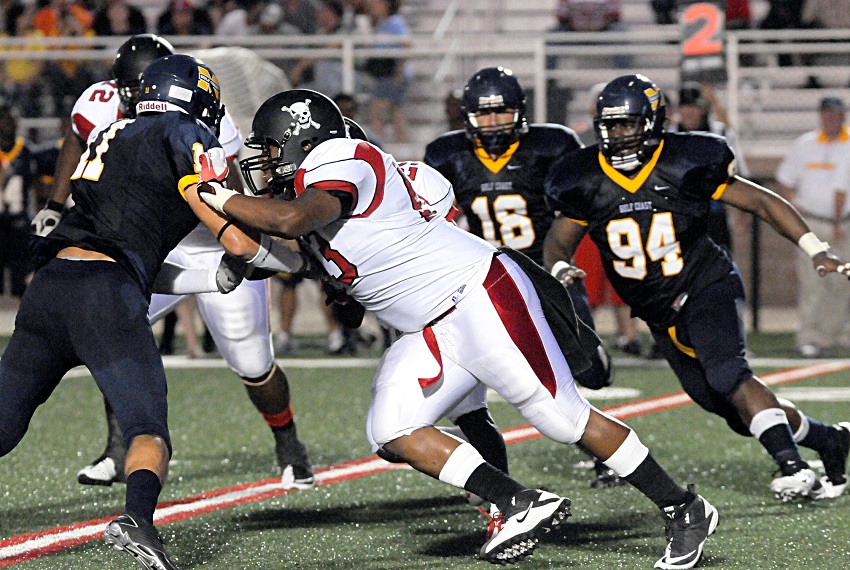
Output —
(155, 106)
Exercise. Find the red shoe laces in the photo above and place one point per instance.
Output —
(495, 522)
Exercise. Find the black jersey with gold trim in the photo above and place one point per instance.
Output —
(503, 199)
(651, 229)
(128, 190)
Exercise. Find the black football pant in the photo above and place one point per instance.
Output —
(83, 312)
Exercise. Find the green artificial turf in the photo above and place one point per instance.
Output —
(403, 519)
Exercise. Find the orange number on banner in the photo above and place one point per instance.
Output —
(704, 40)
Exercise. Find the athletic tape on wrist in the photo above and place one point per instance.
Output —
(559, 265)
(812, 245)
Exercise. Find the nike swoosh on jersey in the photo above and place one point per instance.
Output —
(514, 166)
(660, 188)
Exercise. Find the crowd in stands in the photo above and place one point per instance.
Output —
(48, 88)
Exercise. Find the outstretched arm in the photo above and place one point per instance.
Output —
(785, 219)
(560, 246)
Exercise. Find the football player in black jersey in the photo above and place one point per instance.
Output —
(135, 192)
(643, 196)
(497, 166)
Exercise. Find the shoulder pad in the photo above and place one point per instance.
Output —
(571, 170)
(444, 147)
(551, 138)
(698, 149)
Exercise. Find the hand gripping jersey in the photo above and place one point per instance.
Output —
(128, 192)
(504, 199)
(650, 230)
(393, 256)
(99, 106)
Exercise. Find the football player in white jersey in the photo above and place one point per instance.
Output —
(459, 302)
(238, 321)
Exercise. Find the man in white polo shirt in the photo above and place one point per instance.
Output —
(808, 178)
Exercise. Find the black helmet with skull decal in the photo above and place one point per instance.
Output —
(285, 129)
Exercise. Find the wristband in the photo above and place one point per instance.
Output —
(812, 245)
(559, 266)
(277, 257)
(55, 206)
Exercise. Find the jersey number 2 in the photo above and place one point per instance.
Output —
(624, 239)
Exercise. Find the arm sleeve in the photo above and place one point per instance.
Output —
(175, 279)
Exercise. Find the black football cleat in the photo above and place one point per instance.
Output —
(531, 514)
(834, 482)
(688, 526)
(139, 539)
(293, 459)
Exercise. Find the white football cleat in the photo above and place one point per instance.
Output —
(800, 485)
(531, 513)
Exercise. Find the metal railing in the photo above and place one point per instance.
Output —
(442, 62)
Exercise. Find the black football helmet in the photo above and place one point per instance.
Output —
(182, 83)
(132, 58)
(285, 129)
(494, 90)
(629, 121)
(355, 131)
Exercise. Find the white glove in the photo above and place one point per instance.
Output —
(47, 219)
(566, 273)
(215, 195)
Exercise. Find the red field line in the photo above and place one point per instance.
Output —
(37, 544)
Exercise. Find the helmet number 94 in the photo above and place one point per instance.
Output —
(510, 212)
(624, 239)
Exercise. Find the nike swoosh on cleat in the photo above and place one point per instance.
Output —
(524, 515)
(676, 559)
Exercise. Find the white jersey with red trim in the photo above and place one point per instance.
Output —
(393, 255)
(436, 191)
(99, 106)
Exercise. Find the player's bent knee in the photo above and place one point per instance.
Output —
(548, 420)
(387, 455)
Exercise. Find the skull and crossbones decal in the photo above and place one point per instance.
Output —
(301, 115)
